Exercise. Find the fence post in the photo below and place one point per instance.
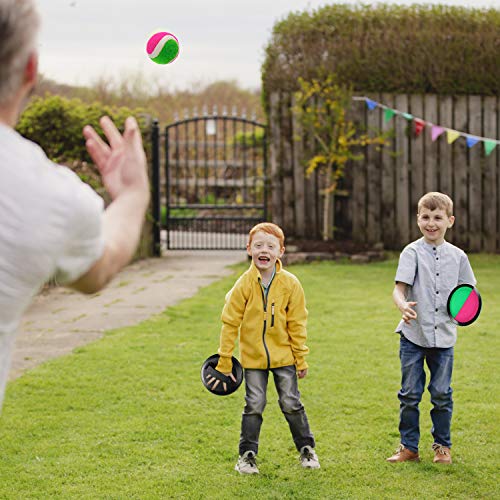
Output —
(475, 191)
(402, 177)
(491, 195)
(420, 170)
(373, 181)
(388, 182)
(460, 191)
(155, 181)
(298, 175)
(275, 139)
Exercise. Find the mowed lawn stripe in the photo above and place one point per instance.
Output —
(127, 416)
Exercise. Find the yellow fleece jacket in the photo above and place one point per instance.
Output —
(272, 332)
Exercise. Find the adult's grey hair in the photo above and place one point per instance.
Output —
(19, 23)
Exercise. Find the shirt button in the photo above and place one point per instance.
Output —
(436, 310)
(434, 248)
(437, 291)
(437, 274)
(437, 258)
(435, 328)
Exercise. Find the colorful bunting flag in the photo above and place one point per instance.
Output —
(419, 126)
(436, 132)
(489, 146)
(453, 135)
(388, 114)
(471, 141)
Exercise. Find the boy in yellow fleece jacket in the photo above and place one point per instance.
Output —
(266, 306)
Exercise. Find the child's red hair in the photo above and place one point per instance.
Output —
(269, 228)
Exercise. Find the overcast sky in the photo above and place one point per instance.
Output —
(82, 40)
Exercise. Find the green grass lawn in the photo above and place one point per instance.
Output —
(127, 416)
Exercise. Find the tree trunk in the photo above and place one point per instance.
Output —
(328, 214)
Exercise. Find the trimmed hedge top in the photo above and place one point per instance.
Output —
(388, 48)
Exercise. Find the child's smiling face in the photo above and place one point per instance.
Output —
(265, 250)
(433, 224)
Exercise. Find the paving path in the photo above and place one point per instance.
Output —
(61, 320)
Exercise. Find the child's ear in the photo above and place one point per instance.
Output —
(451, 220)
(282, 251)
(249, 252)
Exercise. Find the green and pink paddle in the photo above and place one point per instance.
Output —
(464, 304)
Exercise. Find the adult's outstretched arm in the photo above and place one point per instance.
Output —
(123, 168)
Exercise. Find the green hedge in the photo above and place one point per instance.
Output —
(388, 48)
(56, 123)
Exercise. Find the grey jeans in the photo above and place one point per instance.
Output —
(285, 381)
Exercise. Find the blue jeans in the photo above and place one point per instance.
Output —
(440, 363)
(285, 381)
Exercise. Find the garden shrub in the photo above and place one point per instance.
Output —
(388, 48)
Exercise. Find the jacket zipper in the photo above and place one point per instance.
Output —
(264, 302)
(272, 314)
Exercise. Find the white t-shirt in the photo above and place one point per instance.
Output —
(50, 226)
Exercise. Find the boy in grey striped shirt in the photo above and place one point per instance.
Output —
(428, 270)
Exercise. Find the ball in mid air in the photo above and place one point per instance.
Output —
(163, 47)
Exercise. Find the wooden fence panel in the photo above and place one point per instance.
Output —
(431, 157)
(312, 192)
(388, 181)
(373, 182)
(497, 154)
(287, 198)
(402, 178)
(299, 180)
(417, 170)
(383, 190)
(359, 185)
(445, 151)
(460, 190)
(475, 177)
(491, 197)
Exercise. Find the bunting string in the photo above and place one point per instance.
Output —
(436, 130)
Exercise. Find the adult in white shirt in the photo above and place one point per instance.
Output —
(51, 223)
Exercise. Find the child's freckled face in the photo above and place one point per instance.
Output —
(433, 224)
(265, 249)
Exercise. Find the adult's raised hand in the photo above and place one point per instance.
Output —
(122, 162)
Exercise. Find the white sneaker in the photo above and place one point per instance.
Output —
(246, 463)
(308, 458)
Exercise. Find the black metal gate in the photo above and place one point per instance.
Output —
(214, 183)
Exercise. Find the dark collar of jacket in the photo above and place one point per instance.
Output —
(255, 273)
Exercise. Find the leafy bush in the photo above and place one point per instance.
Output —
(388, 48)
(56, 123)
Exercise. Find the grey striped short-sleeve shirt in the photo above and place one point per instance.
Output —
(432, 271)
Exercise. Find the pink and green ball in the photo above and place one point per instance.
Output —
(163, 47)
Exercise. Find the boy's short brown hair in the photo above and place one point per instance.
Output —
(436, 201)
(269, 228)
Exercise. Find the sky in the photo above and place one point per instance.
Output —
(82, 41)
